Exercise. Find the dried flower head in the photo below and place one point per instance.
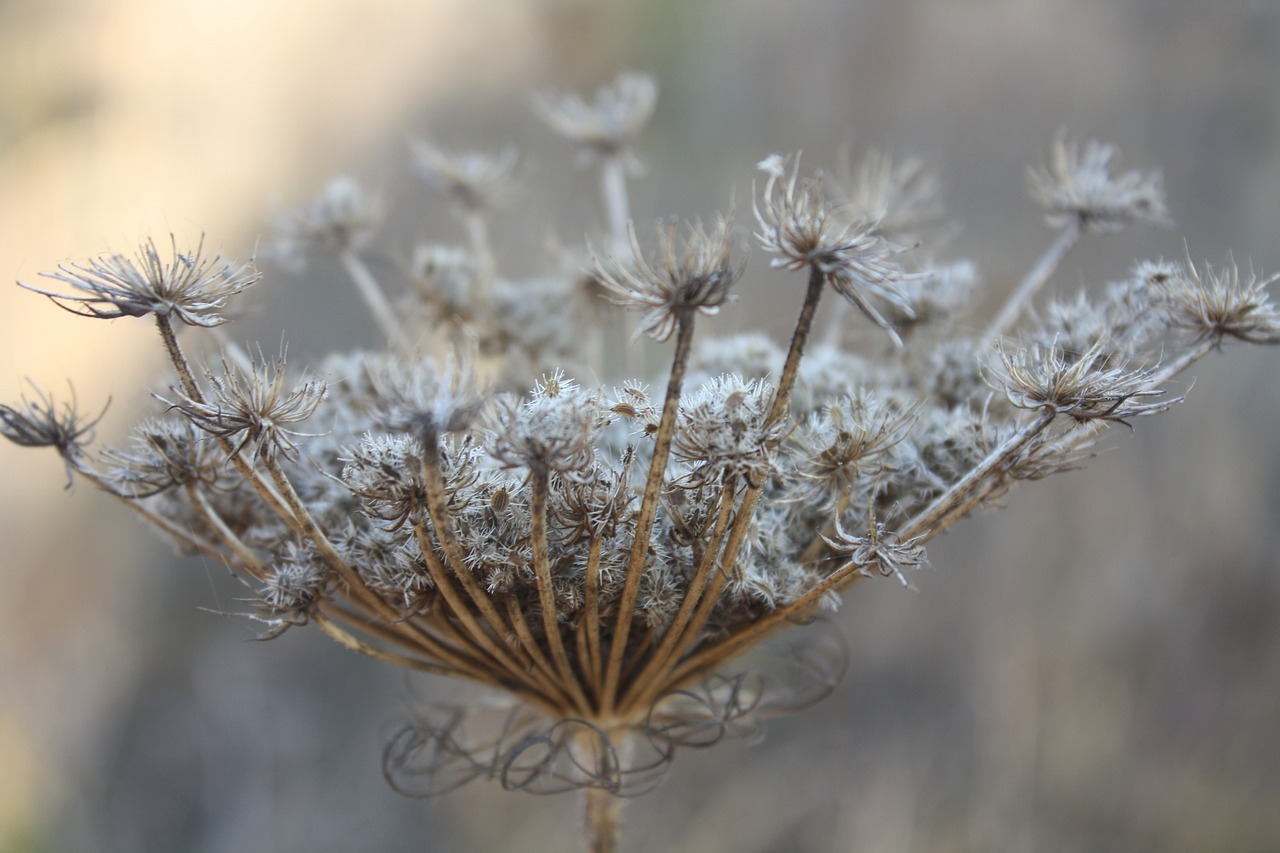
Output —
(552, 431)
(417, 397)
(252, 408)
(344, 216)
(845, 447)
(1079, 185)
(474, 181)
(693, 273)
(725, 431)
(189, 287)
(800, 224)
(165, 454)
(607, 126)
(603, 558)
(1084, 386)
(1220, 304)
(291, 590)
(44, 423)
(900, 196)
(880, 549)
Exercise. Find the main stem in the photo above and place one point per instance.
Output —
(603, 821)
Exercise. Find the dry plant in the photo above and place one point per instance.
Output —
(606, 557)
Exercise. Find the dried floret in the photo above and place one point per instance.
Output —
(1220, 303)
(343, 217)
(474, 181)
(1084, 386)
(607, 126)
(252, 409)
(800, 224)
(44, 423)
(188, 287)
(689, 274)
(1079, 185)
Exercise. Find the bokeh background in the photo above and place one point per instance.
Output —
(1097, 667)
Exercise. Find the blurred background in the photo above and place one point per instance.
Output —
(1095, 668)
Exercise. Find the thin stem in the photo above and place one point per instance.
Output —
(252, 565)
(658, 664)
(925, 521)
(546, 592)
(593, 665)
(455, 558)
(613, 189)
(374, 299)
(747, 509)
(456, 660)
(1035, 279)
(482, 251)
(711, 656)
(648, 506)
(187, 379)
(355, 644)
(311, 531)
(541, 668)
(804, 325)
(477, 637)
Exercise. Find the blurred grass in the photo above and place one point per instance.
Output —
(1093, 668)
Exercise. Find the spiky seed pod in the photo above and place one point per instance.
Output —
(607, 126)
(691, 273)
(474, 181)
(344, 216)
(800, 224)
(252, 409)
(165, 454)
(1079, 185)
(189, 287)
(1220, 303)
(1082, 386)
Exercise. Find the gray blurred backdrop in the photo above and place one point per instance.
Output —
(1097, 667)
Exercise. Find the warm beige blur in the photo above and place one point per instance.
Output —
(1092, 669)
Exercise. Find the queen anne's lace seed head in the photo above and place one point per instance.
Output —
(416, 397)
(1079, 185)
(725, 432)
(600, 556)
(474, 181)
(799, 223)
(165, 454)
(845, 447)
(1083, 386)
(188, 287)
(607, 126)
(43, 422)
(901, 197)
(343, 217)
(386, 472)
(879, 550)
(292, 587)
(1220, 303)
(552, 431)
(688, 275)
(251, 408)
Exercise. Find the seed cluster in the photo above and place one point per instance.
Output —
(605, 554)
